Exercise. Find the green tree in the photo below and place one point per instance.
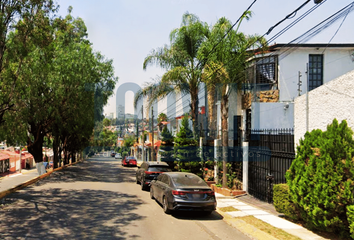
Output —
(183, 66)
(187, 150)
(227, 55)
(162, 117)
(166, 149)
(106, 122)
(321, 178)
(20, 23)
(58, 82)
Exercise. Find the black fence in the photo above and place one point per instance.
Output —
(275, 152)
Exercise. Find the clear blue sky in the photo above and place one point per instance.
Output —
(127, 30)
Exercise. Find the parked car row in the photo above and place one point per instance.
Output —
(175, 191)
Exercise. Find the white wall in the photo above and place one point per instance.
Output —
(334, 99)
(337, 61)
(272, 115)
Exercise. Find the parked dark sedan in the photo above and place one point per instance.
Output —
(149, 171)
(129, 161)
(182, 191)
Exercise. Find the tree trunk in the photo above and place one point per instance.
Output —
(55, 152)
(59, 156)
(35, 147)
(211, 106)
(73, 158)
(194, 112)
(224, 126)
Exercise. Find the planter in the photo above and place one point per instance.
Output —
(210, 183)
(226, 191)
(237, 192)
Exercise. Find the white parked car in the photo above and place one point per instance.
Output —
(118, 156)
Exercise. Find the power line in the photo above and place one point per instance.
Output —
(339, 27)
(229, 30)
(291, 15)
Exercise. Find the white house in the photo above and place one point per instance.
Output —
(277, 77)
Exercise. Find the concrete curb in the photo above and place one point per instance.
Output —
(247, 229)
(33, 180)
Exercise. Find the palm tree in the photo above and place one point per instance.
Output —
(182, 64)
(224, 70)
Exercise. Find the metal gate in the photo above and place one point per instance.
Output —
(271, 153)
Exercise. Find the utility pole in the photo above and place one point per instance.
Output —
(143, 139)
(307, 97)
(152, 130)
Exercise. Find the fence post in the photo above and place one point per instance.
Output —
(245, 149)
(217, 158)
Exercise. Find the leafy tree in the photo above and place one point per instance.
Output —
(187, 150)
(161, 118)
(106, 122)
(321, 177)
(58, 82)
(223, 72)
(183, 66)
(20, 23)
(166, 149)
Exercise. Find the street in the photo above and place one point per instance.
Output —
(99, 199)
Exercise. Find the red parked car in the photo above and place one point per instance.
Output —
(129, 161)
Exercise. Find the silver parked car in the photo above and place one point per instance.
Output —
(182, 191)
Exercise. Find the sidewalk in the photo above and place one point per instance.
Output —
(12, 180)
(248, 206)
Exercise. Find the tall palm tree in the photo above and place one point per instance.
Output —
(224, 70)
(182, 64)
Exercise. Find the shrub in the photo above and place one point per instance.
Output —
(350, 216)
(187, 150)
(282, 202)
(321, 177)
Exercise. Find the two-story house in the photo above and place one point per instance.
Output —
(287, 71)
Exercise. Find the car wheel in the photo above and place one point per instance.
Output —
(165, 205)
(142, 184)
(151, 193)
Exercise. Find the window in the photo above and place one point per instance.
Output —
(315, 71)
(266, 72)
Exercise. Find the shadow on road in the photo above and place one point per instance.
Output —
(93, 170)
(57, 213)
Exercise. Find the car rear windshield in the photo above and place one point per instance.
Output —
(188, 180)
(159, 169)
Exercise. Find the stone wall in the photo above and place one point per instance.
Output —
(268, 96)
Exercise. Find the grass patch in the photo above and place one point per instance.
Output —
(228, 209)
(265, 227)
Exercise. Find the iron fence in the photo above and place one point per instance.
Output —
(275, 153)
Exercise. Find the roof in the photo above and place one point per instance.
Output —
(278, 46)
(312, 45)
(4, 157)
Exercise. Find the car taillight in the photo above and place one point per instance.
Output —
(211, 193)
(147, 172)
(179, 193)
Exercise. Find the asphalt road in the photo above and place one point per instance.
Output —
(99, 199)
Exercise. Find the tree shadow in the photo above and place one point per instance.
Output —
(92, 170)
(73, 214)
